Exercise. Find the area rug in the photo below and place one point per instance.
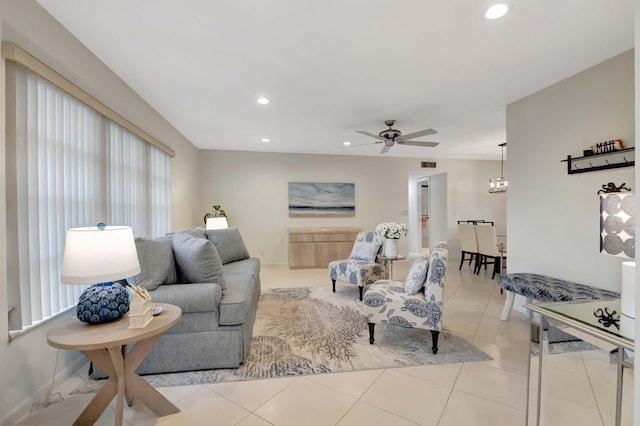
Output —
(563, 347)
(300, 331)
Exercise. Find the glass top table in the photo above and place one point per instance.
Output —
(599, 318)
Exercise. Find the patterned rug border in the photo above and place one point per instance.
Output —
(302, 331)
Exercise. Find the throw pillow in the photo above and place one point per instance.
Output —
(417, 275)
(229, 244)
(195, 232)
(366, 246)
(198, 260)
(157, 265)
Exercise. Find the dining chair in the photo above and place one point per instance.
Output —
(488, 248)
(468, 243)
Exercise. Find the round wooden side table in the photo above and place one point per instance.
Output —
(390, 260)
(106, 346)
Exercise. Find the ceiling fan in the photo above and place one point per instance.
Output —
(392, 136)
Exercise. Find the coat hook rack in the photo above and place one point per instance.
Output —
(611, 160)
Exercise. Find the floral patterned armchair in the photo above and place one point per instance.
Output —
(387, 302)
(363, 266)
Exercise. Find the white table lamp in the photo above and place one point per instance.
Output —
(219, 222)
(100, 255)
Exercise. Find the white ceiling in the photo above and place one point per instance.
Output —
(332, 67)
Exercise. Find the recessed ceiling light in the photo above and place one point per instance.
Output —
(263, 101)
(265, 140)
(346, 143)
(496, 11)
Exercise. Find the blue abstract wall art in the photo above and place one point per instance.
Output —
(313, 199)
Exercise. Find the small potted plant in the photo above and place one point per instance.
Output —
(218, 212)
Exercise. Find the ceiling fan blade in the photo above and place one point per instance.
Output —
(425, 132)
(364, 132)
(385, 149)
(361, 144)
(420, 143)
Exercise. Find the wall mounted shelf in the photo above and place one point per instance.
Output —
(606, 160)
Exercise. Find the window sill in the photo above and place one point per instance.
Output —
(14, 334)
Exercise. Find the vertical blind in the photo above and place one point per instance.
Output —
(73, 167)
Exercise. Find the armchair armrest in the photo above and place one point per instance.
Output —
(382, 261)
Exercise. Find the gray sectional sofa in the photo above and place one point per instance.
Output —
(212, 278)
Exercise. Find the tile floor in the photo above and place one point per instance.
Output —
(578, 388)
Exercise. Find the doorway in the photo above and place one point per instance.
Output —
(436, 203)
(424, 214)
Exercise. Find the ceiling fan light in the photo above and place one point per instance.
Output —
(496, 11)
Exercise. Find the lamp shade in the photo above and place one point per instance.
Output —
(93, 255)
(219, 222)
(499, 184)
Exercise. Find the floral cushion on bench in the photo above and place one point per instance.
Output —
(542, 287)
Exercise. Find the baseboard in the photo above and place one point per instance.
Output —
(23, 408)
(276, 265)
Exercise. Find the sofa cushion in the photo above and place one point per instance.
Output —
(240, 298)
(194, 297)
(198, 260)
(417, 275)
(157, 265)
(229, 244)
(249, 266)
(366, 246)
(196, 322)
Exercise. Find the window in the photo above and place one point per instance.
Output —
(68, 166)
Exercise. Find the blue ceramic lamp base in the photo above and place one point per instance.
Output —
(102, 303)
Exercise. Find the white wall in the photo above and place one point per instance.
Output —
(553, 221)
(33, 29)
(28, 362)
(252, 188)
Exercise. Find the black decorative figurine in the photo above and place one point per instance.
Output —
(607, 318)
(611, 188)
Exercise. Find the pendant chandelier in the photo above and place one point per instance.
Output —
(499, 184)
